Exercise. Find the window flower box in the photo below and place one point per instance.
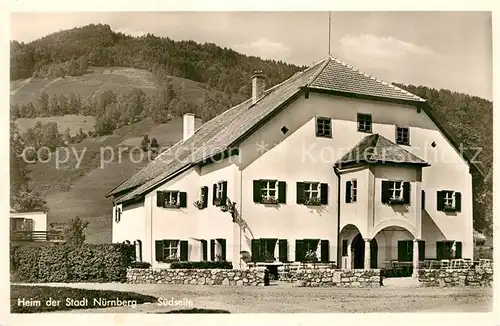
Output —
(448, 208)
(218, 201)
(268, 257)
(171, 205)
(269, 200)
(198, 204)
(396, 201)
(314, 201)
(311, 257)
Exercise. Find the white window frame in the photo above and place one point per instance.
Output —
(169, 198)
(266, 189)
(393, 189)
(354, 190)
(400, 132)
(309, 191)
(172, 249)
(449, 199)
(220, 189)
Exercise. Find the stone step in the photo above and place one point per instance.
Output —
(401, 282)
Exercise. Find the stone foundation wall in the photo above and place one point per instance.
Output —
(337, 278)
(250, 277)
(457, 277)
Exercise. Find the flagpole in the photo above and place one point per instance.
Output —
(329, 31)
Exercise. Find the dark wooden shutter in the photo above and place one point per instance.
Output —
(300, 192)
(325, 251)
(348, 185)
(160, 198)
(421, 250)
(440, 200)
(316, 122)
(458, 251)
(324, 193)
(283, 250)
(439, 250)
(299, 250)
(214, 195)
(212, 249)
(458, 202)
(204, 249)
(385, 192)
(184, 250)
(257, 195)
(159, 250)
(406, 192)
(423, 200)
(182, 199)
(282, 192)
(222, 243)
(224, 193)
(255, 250)
(204, 192)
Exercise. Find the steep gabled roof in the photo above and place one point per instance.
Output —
(339, 76)
(215, 136)
(376, 149)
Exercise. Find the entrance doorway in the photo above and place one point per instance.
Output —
(358, 251)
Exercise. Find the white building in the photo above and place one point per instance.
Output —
(331, 161)
(28, 225)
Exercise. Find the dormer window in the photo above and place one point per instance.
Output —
(402, 135)
(395, 192)
(323, 127)
(449, 201)
(365, 122)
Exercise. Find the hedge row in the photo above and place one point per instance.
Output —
(62, 263)
(202, 265)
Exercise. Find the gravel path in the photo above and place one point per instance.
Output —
(284, 298)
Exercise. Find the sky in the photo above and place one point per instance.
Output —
(450, 50)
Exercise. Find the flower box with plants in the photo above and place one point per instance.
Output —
(448, 208)
(218, 201)
(171, 204)
(199, 204)
(269, 200)
(396, 201)
(313, 201)
(311, 257)
(268, 257)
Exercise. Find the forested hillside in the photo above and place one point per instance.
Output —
(470, 121)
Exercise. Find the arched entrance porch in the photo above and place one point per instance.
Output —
(354, 249)
(359, 252)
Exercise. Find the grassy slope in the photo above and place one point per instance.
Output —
(71, 190)
(120, 80)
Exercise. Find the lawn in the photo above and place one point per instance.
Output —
(35, 299)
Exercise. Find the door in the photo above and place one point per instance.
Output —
(358, 252)
(373, 253)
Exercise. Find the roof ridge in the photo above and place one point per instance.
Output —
(374, 78)
(325, 63)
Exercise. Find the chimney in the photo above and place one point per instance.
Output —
(258, 85)
(188, 126)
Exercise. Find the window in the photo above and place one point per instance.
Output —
(312, 193)
(171, 199)
(220, 193)
(351, 191)
(264, 250)
(395, 192)
(170, 250)
(202, 202)
(323, 127)
(449, 201)
(306, 249)
(269, 189)
(364, 122)
(448, 249)
(218, 250)
(402, 135)
(118, 214)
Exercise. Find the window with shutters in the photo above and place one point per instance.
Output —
(220, 191)
(203, 201)
(395, 192)
(323, 127)
(310, 249)
(171, 250)
(449, 201)
(312, 193)
(218, 249)
(172, 199)
(364, 122)
(402, 135)
(448, 249)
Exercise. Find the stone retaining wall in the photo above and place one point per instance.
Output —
(456, 277)
(249, 277)
(338, 278)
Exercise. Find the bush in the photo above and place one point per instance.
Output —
(63, 263)
(140, 264)
(202, 265)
